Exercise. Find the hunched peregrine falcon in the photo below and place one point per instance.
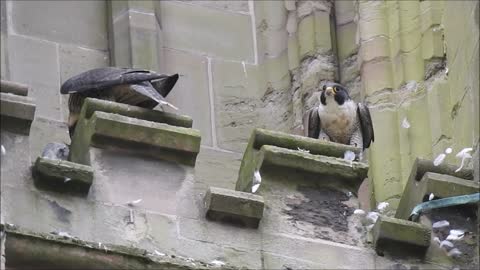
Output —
(339, 119)
(130, 86)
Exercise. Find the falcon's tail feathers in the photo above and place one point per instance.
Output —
(165, 85)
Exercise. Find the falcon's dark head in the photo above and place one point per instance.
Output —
(335, 90)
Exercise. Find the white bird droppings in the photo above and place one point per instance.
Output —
(446, 243)
(132, 203)
(372, 217)
(159, 253)
(67, 179)
(349, 156)
(448, 150)
(463, 154)
(217, 263)
(454, 237)
(454, 252)
(431, 196)
(439, 159)
(303, 150)
(359, 212)
(405, 123)
(3, 150)
(457, 232)
(440, 224)
(382, 206)
(257, 179)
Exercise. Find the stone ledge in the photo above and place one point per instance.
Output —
(401, 236)
(91, 105)
(262, 137)
(234, 206)
(17, 112)
(26, 249)
(422, 166)
(14, 88)
(159, 140)
(49, 173)
(440, 185)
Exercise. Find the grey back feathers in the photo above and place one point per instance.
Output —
(56, 151)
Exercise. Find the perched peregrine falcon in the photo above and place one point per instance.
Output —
(339, 119)
(130, 86)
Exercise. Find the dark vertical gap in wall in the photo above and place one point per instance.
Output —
(111, 43)
(333, 38)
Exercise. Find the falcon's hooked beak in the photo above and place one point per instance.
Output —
(330, 91)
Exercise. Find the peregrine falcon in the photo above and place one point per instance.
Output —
(339, 119)
(136, 87)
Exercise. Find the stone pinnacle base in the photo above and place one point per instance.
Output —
(234, 207)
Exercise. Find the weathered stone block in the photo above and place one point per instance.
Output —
(44, 82)
(92, 105)
(378, 47)
(293, 55)
(441, 185)
(415, 189)
(323, 37)
(432, 43)
(55, 21)
(306, 36)
(290, 5)
(193, 83)
(377, 75)
(26, 248)
(344, 12)
(62, 175)
(346, 40)
(234, 206)
(275, 42)
(397, 235)
(17, 112)
(413, 65)
(296, 160)
(182, 144)
(261, 137)
(214, 32)
(217, 168)
(373, 18)
(14, 88)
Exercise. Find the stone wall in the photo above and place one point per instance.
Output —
(247, 64)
